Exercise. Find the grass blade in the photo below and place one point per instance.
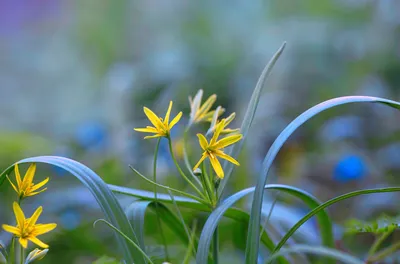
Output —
(254, 231)
(135, 213)
(327, 204)
(126, 238)
(328, 252)
(212, 221)
(105, 198)
(249, 116)
(232, 213)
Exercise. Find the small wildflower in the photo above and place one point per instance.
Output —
(25, 187)
(214, 149)
(36, 254)
(202, 113)
(27, 229)
(161, 127)
(224, 130)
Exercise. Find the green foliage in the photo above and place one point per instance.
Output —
(380, 225)
(106, 260)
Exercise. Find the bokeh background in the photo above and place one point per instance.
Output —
(74, 76)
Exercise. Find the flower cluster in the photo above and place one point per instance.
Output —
(212, 142)
(27, 229)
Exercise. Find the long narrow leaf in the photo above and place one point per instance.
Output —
(126, 238)
(105, 198)
(249, 116)
(252, 247)
(232, 213)
(135, 213)
(327, 204)
(324, 251)
(213, 220)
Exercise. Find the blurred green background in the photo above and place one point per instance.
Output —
(75, 75)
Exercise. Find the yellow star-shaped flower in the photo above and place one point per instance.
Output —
(214, 149)
(25, 187)
(161, 127)
(27, 229)
(202, 113)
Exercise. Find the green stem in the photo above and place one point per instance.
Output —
(203, 201)
(215, 246)
(186, 157)
(205, 185)
(12, 251)
(156, 200)
(22, 254)
(375, 246)
(384, 253)
(210, 188)
(180, 170)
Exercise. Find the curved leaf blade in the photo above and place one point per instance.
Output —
(255, 215)
(104, 196)
(232, 213)
(324, 251)
(214, 218)
(327, 204)
(249, 116)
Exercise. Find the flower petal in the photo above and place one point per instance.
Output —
(40, 229)
(203, 141)
(39, 185)
(154, 136)
(34, 193)
(154, 119)
(223, 155)
(12, 184)
(19, 214)
(166, 119)
(23, 242)
(200, 161)
(219, 127)
(175, 120)
(28, 178)
(229, 119)
(206, 106)
(146, 130)
(17, 176)
(196, 104)
(217, 166)
(35, 216)
(12, 229)
(38, 242)
(226, 141)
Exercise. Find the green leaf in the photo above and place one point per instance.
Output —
(318, 250)
(249, 116)
(252, 247)
(232, 213)
(126, 238)
(327, 204)
(105, 198)
(136, 213)
(380, 225)
(213, 220)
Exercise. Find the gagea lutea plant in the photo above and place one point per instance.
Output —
(206, 175)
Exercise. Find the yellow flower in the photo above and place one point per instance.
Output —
(161, 127)
(27, 229)
(26, 187)
(225, 130)
(214, 149)
(202, 113)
